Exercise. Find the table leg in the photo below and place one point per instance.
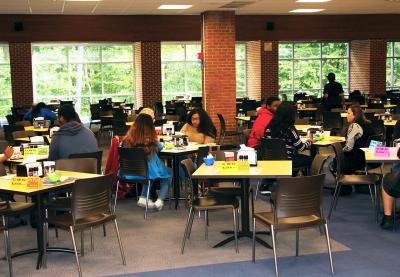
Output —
(175, 180)
(39, 229)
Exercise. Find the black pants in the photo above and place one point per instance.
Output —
(300, 160)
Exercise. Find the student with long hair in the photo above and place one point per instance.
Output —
(40, 110)
(357, 136)
(143, 134)
(282, 126)
(199, 127)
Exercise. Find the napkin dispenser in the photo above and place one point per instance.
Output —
(30, 169)
(250, 153)
(40, 122)
(168, 129)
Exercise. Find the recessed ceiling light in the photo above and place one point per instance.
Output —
(83, 0)
(174, 7)
(312, 1)
(306, 10)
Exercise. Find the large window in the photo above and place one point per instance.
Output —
(5, 81)
(181, 70)
(84, 73)
(241, 70)
(393, 66)
(303, 67)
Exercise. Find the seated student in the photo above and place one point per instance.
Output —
(40, 110)
(199, 127)
(265, 114)
(143, 134)
(390, 191)
(282, 127)
(357, 135)
(72, 137)
(8, 152)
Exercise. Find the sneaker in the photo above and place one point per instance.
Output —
(159, 204)
(387, 222)
(142, 203)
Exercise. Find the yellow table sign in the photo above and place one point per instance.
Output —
(229, 167)
(30, 152)
(29, 182)
(43, 150)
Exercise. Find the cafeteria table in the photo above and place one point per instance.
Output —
(370, 156)
(37, 130)
(243, 118)
(38, 195)
(263, 170)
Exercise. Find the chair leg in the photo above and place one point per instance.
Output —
(186, 233)
(257, 189)
(328, 242)
(116, 196)
(253, 255)
(274, 250)
(190, 224)
(147, 200)
(376, 201)
(7, 246)
(235, 226)
(104, 230)
(333, 203)
(121, 247)
(297, 241)
(91, 239)
(137, 192)
(82, 243)
(56, 231)
(206, 225)
(45, 238)
(71, 229)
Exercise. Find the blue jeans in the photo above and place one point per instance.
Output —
(164, 185)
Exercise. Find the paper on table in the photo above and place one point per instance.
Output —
(30, 159)
(7, 177)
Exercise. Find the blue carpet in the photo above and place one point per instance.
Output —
(374, 252)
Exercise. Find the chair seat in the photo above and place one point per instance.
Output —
(13, 208)
(59, 203)
(224, 191)
(290, 222)
(209, 203)
(64, 221)
(358, 179)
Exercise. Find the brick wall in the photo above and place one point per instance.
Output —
(148, 73)
(219, 72)
(21, 73)
(262, 70)
(368, 66)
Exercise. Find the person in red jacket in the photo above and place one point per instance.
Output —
(265, 114)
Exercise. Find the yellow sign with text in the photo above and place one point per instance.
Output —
(229, 167)
(29, 182)
(30, 152)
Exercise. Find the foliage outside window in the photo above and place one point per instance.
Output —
(303, 67)
(241, 70)
(83, 73)
(5, 81)
(393, 65)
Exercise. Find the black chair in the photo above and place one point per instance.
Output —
(378, 126)
(119, 127)
(9, 130)
(91, 199)
(133, 162)
(98, 155)
(62, 103)
(10, 209)
(94, 115)
(206, 204)
(223, 132)
(273, 149)
(332, 121)
(159, 122)
(159, 109)
(351, 180)
(295, 206)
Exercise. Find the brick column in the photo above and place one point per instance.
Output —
(262, 69)
(219, 70)
(21, 73)
(148, 73)
(368, 66)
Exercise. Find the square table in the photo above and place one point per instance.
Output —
(263, 170)
(37, 130)
(371, 158)
(38, 195)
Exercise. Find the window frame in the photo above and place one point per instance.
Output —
(7, 63)
(245, 68)
(391, 58)
(321, 58)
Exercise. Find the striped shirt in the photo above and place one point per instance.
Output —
(292, 140)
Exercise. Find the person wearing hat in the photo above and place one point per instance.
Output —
(390, 191)
(333, 93)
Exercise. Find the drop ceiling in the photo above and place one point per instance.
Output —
(132, 7)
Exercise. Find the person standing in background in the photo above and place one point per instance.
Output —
(333, 94)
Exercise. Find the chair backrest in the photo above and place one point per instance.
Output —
(332, 120)
(86, 165)
(91, 197)
(378, 126)
(3, 171)
(8, 131)
(24, 123)
(159, 109)
(338, 149)
(133, 161)
(318, 164)
(301, 196)
(94, 111)
(159, 122)
(23, 134)
(188, 167)
(222, 122)
(10, 119)
(273, 149)
(119, 127)
(203, 152)
(98, 155)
